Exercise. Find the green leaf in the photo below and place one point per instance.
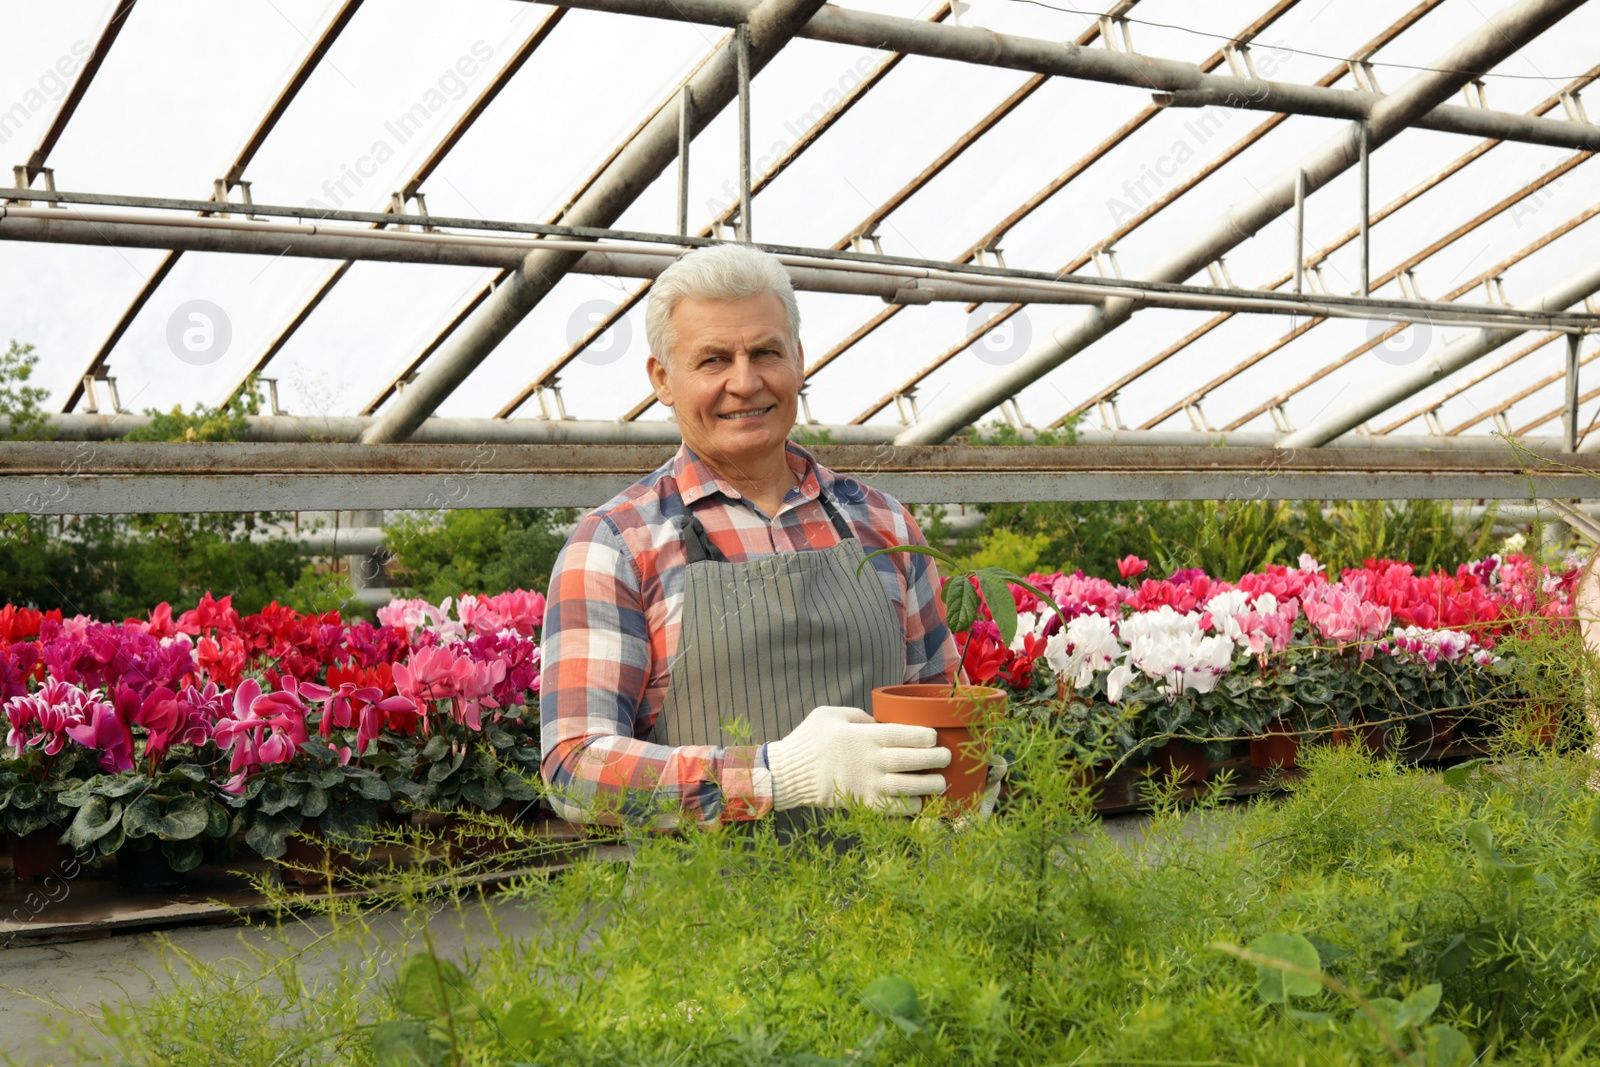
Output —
(1445, 1046)
(268, 835)
(183, 855)
(314, 803)
(1274, 984)
(118, 785)
(372, 787)
(407, 1043)
(893, 998)
(1002, 605)
(1460, 776)
(436, 747)
(1419, 1006)
(142, 817)
(1594, 821)
(960, 604)
(431, 988)
(484, 792)
(530, 1022)
(1481, 838)
(185, 818)
(95, 819)
(217, 821)
(1455, 957)
(499, 737)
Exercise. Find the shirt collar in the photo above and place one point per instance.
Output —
(697, 479)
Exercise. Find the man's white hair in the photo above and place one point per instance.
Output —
(720, 272)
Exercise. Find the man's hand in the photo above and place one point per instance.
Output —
(840, 756)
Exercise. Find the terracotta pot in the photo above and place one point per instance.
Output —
(1543, 725)
(1278, 747)
(38, 854)
(959, 721)
(1186, 760)
(308, 848)
(1435, 732)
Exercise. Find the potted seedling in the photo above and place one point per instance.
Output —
(959, 713)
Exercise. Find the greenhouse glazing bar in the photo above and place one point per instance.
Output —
(54, 478)
(1162, 76)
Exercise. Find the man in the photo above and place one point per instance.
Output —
(709, 646)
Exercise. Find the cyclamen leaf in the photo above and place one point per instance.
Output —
(183, 855)
(1274, 984)
(95, 819)
(960, 605)
(186, 817)
(1002, 605)
(436, 747)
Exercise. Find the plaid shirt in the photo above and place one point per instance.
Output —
(611, 629)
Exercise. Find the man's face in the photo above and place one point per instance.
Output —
(735, 381)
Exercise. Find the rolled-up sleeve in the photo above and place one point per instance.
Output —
(597, 663)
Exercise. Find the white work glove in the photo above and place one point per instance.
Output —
(840, 756)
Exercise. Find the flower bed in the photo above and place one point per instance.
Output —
(188, 735)
(194, 734)
(1289, 650)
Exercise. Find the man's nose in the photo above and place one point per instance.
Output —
(743, 379)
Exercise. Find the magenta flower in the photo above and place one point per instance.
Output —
(102, 729)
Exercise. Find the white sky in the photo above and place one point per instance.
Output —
(188, 80)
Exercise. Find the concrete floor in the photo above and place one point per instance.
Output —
(122, 967)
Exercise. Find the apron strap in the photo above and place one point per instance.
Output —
(700, 549)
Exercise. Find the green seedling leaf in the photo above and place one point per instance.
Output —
(1276, 985)
(1455, 957)
(1327, 951)
(1481, 838)
(1445, 1046)
(407, 1043)
(960, 604)
(1460, 776)
(893, 998)
(1001, 603)
(1419, 1006)
(529, 1023)
(431, 988)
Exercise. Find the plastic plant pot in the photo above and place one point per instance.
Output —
(1278, 747)
(1186, 761)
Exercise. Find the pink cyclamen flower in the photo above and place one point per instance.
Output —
(1131, 566)
(103, 730)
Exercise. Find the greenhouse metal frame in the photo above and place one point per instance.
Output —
(1362, 444)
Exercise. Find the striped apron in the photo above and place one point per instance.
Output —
(763, 642)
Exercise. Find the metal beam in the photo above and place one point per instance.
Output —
(1483, 375)
(772, 24)
(123, 478)
(1455, 166)
(233, 173)
(1502, 406)
(1411, 262)
(777, 167)
(1501, 35)
(1450, 359)
(1105, 246)
(974, 45)
(80, 86)
(413, 185)
(299, 429)
(894, 279)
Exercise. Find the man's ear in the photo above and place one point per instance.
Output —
(659, 380)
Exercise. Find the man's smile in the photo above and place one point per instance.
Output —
(747, 413)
